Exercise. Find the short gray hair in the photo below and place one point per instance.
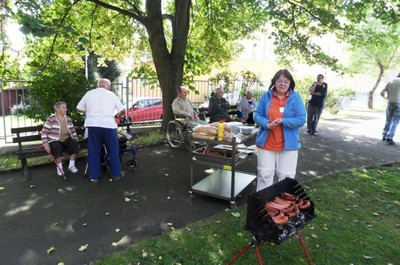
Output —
(219, 89)
(58, 104)
(103, 81)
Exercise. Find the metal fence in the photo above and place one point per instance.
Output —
(133, 92)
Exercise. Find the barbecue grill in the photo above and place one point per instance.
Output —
(259, 222)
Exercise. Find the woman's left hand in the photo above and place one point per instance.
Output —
(275, 123)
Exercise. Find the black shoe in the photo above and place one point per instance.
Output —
(384, 139)
(389, 141)
(315, 132)
(308, 132)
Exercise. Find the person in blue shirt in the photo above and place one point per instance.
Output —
(280, 114)
(318, 92)
(245, 108)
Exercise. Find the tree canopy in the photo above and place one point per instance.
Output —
(186, 38)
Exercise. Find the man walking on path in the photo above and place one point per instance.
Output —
(318, 93)
(391, 92)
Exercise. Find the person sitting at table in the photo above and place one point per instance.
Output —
(59, 135)
(245, 108)
(218, 107)
(183, 107)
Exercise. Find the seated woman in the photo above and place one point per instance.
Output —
(59, 135)
(218, 107)
(246, 107)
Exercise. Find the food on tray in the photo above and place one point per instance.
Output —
(280, 219)
(203, 136)
(286, 204)
(214, 153)
(228, 136)
(227, 127)
(206, 129)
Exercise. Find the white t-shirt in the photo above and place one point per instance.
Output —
(100, 106)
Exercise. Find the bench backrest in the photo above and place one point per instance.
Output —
(32, 133)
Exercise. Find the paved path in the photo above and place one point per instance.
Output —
(47, 212)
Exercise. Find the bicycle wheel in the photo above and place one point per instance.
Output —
(174, 134)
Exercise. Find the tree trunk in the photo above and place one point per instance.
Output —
(169, 65)
(372, 91)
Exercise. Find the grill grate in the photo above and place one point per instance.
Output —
(260, 223)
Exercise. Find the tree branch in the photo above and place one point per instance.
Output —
(139, 16)
(56, 35)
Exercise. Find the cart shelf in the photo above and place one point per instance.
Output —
(226, 182)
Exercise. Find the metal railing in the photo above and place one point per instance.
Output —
(130, 90)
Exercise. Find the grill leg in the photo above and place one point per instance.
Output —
(254, 243)
(304, 247)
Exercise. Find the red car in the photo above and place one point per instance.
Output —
(146, 110)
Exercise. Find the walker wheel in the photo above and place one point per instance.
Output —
(131, 163)
(104, 168)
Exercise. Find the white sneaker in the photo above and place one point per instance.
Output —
(59, 173)
(73, 169)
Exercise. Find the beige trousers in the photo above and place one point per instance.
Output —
(284, 163)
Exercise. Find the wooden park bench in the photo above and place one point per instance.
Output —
(30, 143)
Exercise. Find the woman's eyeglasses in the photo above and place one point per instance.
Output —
(285, 82)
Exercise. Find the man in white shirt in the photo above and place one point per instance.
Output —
(99, 106)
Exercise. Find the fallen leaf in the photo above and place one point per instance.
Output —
(168, 198)
(376, 214)
(107, 213)
(51, 250)
(218, 221)
(236, 214)
(169, 224)
(60, 263)
(314, 236)
(127, 199)
(117, 230)
(188, 229)
(144, 254)
(114, 244)
(32, 186)
(83, 247)
(84, 224)
(2, 188)
(166, 174)
(367, 257)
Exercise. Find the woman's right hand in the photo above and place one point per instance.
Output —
(47, 148)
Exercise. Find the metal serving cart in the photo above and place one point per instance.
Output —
(224, 181)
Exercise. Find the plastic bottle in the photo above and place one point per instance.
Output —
(221, 126)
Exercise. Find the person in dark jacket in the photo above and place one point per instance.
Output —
(318, 92)
(218, 107)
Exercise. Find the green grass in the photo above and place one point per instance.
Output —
(358, 222)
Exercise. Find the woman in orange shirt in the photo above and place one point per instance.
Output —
(280, 113)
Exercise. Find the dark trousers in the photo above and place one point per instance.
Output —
(98, 136)
(69, 146)
(313, 115)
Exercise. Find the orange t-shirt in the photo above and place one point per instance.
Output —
(275, 140)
